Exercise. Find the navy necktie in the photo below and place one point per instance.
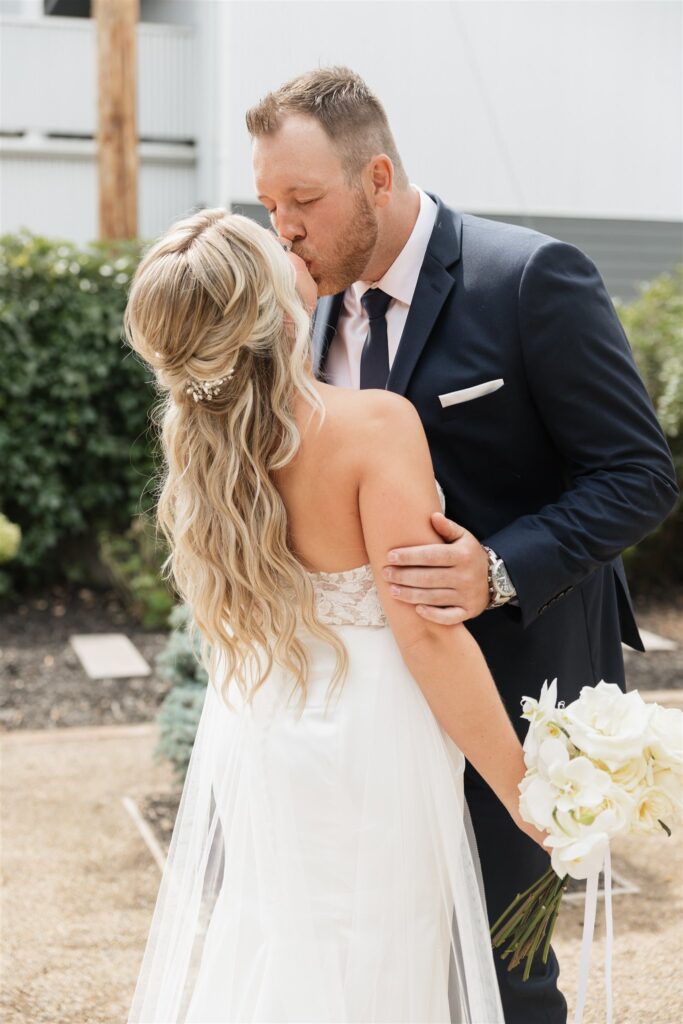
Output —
(374, 360)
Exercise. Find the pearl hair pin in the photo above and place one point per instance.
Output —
(201, 389)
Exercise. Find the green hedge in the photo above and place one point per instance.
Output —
(75, 449)
(654, 325)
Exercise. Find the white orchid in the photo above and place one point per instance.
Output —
(539, 711)
(544, 721)
(537, 801)
(578, 856)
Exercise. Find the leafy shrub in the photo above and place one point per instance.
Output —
(75, 447)
(654, 325)
(10, 539)
(135, 560)
(180, 712)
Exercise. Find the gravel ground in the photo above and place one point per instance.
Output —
(78, 883)
(79, 887)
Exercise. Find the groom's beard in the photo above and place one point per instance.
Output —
(350, 254)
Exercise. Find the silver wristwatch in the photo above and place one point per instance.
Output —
(501, 587)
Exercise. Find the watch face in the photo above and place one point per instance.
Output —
(502, 580)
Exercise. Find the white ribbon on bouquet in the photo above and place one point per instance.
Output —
(587, 940)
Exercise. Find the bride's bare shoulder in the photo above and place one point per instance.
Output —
(371, 408)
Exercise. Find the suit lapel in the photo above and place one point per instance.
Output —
(324, 325)
(433, 287)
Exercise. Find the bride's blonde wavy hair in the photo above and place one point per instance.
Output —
(215, 298)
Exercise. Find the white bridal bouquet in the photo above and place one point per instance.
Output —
(606, 765)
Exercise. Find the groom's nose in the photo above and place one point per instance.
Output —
(289, 225)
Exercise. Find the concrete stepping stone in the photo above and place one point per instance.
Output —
(108, 655)
(654, 642)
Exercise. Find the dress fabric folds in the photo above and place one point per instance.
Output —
(322, 865)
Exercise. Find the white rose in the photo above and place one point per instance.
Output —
(632, 775)
(607, 724)
(621, 806)
(670, 780)
(665, 735)
(654, 805)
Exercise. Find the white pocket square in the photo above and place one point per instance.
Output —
(466, 394)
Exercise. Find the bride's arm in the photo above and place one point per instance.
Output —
(396, 496)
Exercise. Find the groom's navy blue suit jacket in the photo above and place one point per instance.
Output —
(560, 469)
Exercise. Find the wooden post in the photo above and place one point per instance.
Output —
(117, 156)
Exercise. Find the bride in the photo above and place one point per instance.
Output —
(322, 865)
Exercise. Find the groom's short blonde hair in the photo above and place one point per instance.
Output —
(346, 109)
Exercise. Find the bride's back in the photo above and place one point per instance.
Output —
(319, 487)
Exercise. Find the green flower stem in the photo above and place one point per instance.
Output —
(529, 952)
(537, 885)
(551, 927)
(517, 944)
(524, 925)
(518, 920)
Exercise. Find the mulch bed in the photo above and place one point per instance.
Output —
(42, 682)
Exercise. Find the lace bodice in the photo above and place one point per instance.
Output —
(350, 597)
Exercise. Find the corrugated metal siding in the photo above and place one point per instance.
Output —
(48, 87)
(48, 78)
(52, 189)
(626, 252)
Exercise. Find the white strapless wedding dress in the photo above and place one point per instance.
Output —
(323, 867)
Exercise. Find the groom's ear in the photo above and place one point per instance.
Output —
(381, 179)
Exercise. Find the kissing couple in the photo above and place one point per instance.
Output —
(404, 450)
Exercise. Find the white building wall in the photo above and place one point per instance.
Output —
(562, 108)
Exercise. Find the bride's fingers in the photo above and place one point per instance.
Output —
(444, 616)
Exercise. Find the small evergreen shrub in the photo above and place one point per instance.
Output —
(179, 715)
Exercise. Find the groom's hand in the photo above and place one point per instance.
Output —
(447, 582)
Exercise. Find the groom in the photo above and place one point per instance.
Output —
(540, 429)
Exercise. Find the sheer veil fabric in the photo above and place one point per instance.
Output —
(323, 865)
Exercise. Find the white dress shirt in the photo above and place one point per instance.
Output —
(343, 360)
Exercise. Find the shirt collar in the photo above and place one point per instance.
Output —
(400, 280)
